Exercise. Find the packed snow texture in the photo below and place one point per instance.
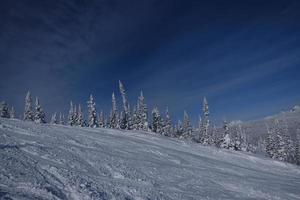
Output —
(43, 161)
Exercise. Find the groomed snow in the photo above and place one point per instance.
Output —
(60, 162)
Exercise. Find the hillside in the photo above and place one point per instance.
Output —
(60, 162)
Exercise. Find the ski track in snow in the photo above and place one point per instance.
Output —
(60, 162)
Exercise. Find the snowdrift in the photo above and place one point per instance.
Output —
(43, 161)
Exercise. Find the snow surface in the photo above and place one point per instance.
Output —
(43, 161)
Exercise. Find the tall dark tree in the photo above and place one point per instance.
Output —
(4, 111)
(126, 122)
(54, 119)
(92, 117)
(157, 126)
(186, 126)
(72, 115)
(28, 111)
(79, 119)
(39, 115)
(142, 113)
(114, 117)
(168, 130)
(12, 112)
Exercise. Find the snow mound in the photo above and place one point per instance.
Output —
(60, 162)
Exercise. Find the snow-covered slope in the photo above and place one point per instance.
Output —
(60, 162)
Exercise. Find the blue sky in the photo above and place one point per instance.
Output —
(243, 56)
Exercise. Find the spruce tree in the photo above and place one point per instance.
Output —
(142, 113)
(297, 150)
(156, 121)
(178, 129)
(205, 134)
(39, 116)
(28, 112)
(75, 116)
(101, 120)
(168, 124)
(61, 119)
(186, 126)
(92, 118)
(126, 122)
(113, 119)
(225, 141)
(198, 135)
(71, 116)
(54, 119)
(135, 119)
(12, 112)
(4, 111)
(79, 118)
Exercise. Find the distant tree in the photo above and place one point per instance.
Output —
(297, 150)
(54, 119)
(28, 112)
(75, 116)
(142, 113)
(39, 116)
(225, 141)
(168, 124)
(101, 120)
(238, 138)
(61, 119)
(156, 121)
(206, 138)
(135, 119)
(79, 119)
(126, 122)
(186, 126)
(178, 129)
(114, 117)
(4, 111)
(278, 143)
(198, 135)
(72, 115)
(243, 139)
(12, 112)
(92, 117)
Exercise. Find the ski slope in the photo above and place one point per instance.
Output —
(60, 162)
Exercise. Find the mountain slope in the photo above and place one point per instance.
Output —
(60, 162)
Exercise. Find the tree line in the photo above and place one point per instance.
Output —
(277, 145)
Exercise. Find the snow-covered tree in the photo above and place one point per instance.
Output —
(61, 119)
(126, 122)
(101, 120)
(142, 113)
(4, 111)
(206, 138)
(28, 112)
(186, 126)
(12, 112)
(92, 117)
(198, 134)
(278, 142)
(156, 121)
(54, 119)
(135, 119)
(238, 138)
(225, 141)
(39, 115)
(168, 124)
(178, 129)
(79, 119)
(75, 115)
(114, 117)
(297, 150)
(71, 116)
